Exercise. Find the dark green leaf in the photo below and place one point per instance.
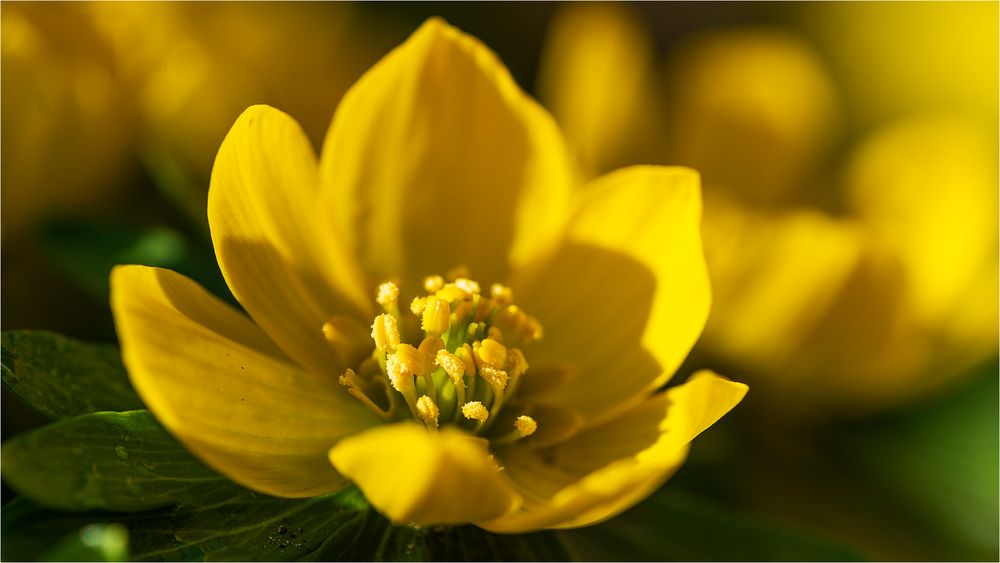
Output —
(940, 460)
(673, 525)
(115, 461)
(87, 251)
(93, 542)
(61, 378)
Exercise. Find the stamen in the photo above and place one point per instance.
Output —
(433, 283)
(428, 411)
(468, 286)
(457, 272)
(497, 378)
(388, 294)
(451, 292)
(524, 426)
(490, 353)
(501, 294)
(350, 380)
(385, 332)
(348, 338)
(436, 317)
(455, 369)
(417, 305)
(475, 411)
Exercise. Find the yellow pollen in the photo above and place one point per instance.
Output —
(436, 317)
(469, 286)
(347, 378)
(525, 426)
(491, 353)
(497, 378)
(453, 366)
(401, 380)
(385, 332)
(428, 411)
(475, 410)
(388, 294)
(411, 360)
(433, 283)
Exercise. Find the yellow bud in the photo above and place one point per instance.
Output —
(428, 411)
(388, 294)
(525, 426)
(475, 411)
(385, 332)
(453, 366)
(433, 283)
(437, 315)
(491, 353)
(411, 360)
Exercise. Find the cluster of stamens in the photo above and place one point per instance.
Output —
(456, 360)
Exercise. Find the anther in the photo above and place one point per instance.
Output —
(388, 294)
(501, 294)
(451, 293)
(525, 426)
(457, 272)
(475, 410)
(436, 317)
(417, 305)
(428, 411)
(497, 378)
(491, 353)
(411, 360)
(468, 286)
(453, 366)
(433, 283)
(385, 332)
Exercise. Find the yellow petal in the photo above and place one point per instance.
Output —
(594, 76)
(436, 158)
(267, 226)
(605, 470)
(626, 294)
(222, 388)
(413, 475)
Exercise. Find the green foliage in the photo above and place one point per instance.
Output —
(86, 251)
(60, 377)
(93, 542)
(115, 461)
(673, 525)
(940, 461)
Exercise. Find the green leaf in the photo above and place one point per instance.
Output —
(336, 527)
(115, 461)
(60, 377)
(673, 525)
(86, 251)
(93, 542)
(940, 461)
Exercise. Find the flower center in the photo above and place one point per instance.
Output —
(453, 358)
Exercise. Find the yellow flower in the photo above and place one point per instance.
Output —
(439, 404)
(845, 292)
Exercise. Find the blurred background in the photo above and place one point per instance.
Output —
(848, 154)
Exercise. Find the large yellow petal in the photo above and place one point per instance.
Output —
(413, 475)
(222, 388)
(437, 158)
(267, 225)
(626, 294)
(605, 470)
(594, 76)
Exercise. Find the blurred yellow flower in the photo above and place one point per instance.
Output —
(446, 410)
(869, 288)
(96, 86)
